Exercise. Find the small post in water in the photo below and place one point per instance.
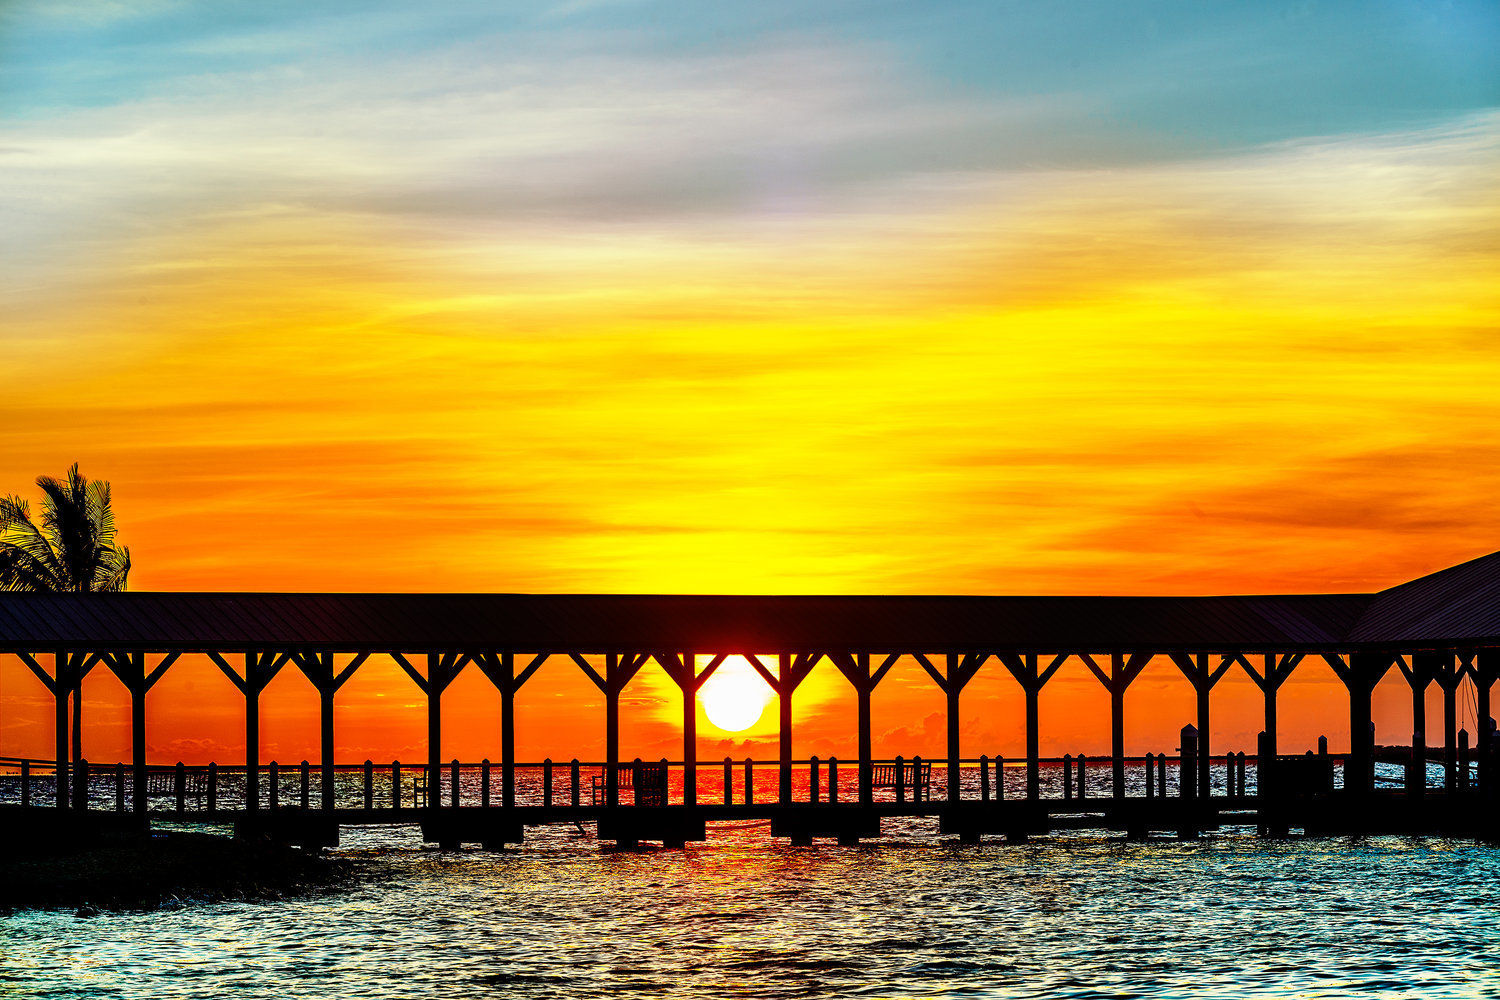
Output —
(25, 783)
(833, 779)
(900, 779)
(1187, 785)
(1067, 777)
(453, 780)
(1083, 788)
(749, 781)
(547, 782)
(573, 775)
(984, 778)
(306, 777)
(484, 783)
(213, 787)
(1150, 774)
(812, 780)
(119, 787)
(369, 785)
(728, 781)
(180, 787)
(273, 775)
(395, 784)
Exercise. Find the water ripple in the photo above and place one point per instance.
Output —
(741, 916)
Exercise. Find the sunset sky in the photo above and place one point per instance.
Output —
(602, 296)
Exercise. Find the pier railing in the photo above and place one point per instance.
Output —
(393, 787)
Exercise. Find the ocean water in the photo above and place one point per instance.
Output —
(912, 915)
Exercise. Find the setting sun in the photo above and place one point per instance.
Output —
(735, 697)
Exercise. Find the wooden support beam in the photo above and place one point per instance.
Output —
(1026, 669)
(1123, 670)
(36, 668)
(1360, 672)
(593, 675)
(1195, 667)
(62, 685)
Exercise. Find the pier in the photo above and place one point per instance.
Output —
(1437, 629)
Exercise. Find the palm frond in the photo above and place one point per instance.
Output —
(74, 547)
(65, 518)
(29, 558)
(20, 570)
(100, 514)
(109, 576)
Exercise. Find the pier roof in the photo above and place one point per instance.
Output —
(1457, 606)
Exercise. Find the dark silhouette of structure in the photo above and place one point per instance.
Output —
(1443, 627)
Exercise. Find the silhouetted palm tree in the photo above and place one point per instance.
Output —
(73, 551)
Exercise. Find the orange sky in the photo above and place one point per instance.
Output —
(706, 322)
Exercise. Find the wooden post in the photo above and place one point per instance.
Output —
(611, 733)
(120, 788)
(1463, 760)
(547, 783)
(1083, 783)
(618, 670)
(1187, 761)
(435, 670)
(813, 795)
(1123, 670)
(60, 696)
(453, 780)
(306, 784)
(395, 784)
(690, 729)
(1423, 669)
(484, 783)
(1033, 744)
(273, 778)
(138, 748)
(1028, 673)
(1360, 673)
(866, 751)
(1161, 775)
(999, 778)
(261, 667)
(1117, 730)
(1067, 777)
(25, 784)
(573, 776)
(784, 727)
(179, 787)
(833, 780)
(1448, 678)
(1150, 777)
(955, 789)
(984, 778)
(252, 741)
(325, 747)
(369, 784)
(508, 740)
(900, 779)
(728, 782)
(213, 788)
(1203, 678)
(749, 781)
